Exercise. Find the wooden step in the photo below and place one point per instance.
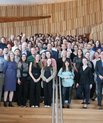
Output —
(75, 104)
(22, 120)
(82, 116)
(25, 115)
(25, 111)
(44, 115)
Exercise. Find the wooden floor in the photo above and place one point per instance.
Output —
(43, 115)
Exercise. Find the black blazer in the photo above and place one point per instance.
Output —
(85, 76)
(99, 70)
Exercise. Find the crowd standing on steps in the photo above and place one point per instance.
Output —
(28, 66)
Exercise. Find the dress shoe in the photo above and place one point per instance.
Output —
(100, 107)
(5, 104)
(85, 106)
(68, 106)
(62, 106)
(10, 104)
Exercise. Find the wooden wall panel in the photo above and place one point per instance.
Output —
(71, 17)
(97, 32)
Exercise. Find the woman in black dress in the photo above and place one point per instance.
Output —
(35, 84)
(77, 62)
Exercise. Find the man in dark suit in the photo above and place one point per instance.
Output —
(54, 54)
(99, 72)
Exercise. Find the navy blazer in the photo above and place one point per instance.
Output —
(3, 45)
(54, 54)
(99, 70)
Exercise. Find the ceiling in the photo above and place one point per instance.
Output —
(26, 2)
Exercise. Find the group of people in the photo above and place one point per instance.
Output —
(29, 65)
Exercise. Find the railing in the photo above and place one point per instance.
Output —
(57, 111)
(61, 109)
(53, 103)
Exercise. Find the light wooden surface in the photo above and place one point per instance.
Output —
(71, 17)
(43, 115)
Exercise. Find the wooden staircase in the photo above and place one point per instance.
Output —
(25, 115)
(44, 115)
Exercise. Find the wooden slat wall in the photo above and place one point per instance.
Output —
(71, 17)
(97, 32)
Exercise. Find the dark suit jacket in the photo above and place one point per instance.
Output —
(85, 76)
(3, 45)
(99, 70)
(54, 54)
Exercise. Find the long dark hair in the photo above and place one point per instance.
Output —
(81, 52)
(25, 59)
(70, 64)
